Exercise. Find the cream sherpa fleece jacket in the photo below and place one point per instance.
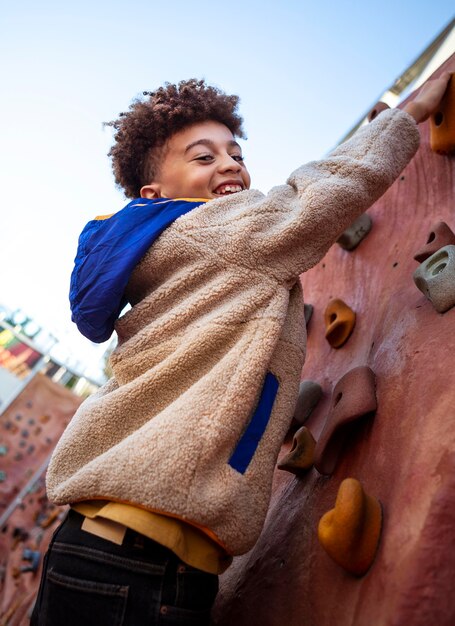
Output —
(217, 312)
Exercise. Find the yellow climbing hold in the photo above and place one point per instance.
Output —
(350, 532)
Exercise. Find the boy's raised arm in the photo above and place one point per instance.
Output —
(300, 221)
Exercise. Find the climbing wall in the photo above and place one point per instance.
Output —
(29, 429)
(402, 454)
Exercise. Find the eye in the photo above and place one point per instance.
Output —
(238, 157)
(204, 157)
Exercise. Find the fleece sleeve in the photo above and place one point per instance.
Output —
(292, 228)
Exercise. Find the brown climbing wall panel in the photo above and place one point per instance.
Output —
(29, 429)
(405, 457)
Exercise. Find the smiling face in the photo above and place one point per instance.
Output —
(200, 161)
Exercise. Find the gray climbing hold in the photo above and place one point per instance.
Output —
(357, 231)
(309, 395)
(435, 278)
(308, 312)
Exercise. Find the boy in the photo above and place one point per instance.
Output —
(168, 467)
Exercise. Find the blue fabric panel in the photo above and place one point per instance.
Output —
(108, 251)
(250, 439)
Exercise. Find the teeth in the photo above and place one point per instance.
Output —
(230, 189)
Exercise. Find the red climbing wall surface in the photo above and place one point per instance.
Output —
(29, 429)
(404, 455)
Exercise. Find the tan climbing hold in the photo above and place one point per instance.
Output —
(301, 456)
(339, 322)
(350, 532)
(353, 399)
(440, 235)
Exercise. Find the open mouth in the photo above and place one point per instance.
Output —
(228, 188)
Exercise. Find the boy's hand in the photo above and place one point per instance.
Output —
(427, 100)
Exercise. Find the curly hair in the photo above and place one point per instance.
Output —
(144, 129)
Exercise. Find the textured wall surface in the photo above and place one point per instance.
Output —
(405, 455)
(29, 430)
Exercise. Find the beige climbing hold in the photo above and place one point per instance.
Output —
(350, 532)
(435, 278)
(300, 458)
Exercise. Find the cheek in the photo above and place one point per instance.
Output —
(202, 178)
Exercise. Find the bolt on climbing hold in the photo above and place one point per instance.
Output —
(339, 322)
(351, 531)
(3, 450)
(2, 476)
(355, 233)
(435, 278)
(378, 108)
(309, 395)
(353, 397)
(440, 235)
(442, 122)
(301, 455)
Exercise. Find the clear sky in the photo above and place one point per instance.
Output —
(305, 72)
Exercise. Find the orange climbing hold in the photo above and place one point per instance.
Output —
(442, 123)
(301, 456)
(350, 532)
(339, 322)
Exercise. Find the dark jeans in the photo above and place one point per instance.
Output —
(90, 581)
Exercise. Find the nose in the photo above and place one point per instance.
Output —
(228, 164)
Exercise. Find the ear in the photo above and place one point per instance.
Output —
(151, 191)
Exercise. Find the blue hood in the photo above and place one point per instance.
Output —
(109, 249)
